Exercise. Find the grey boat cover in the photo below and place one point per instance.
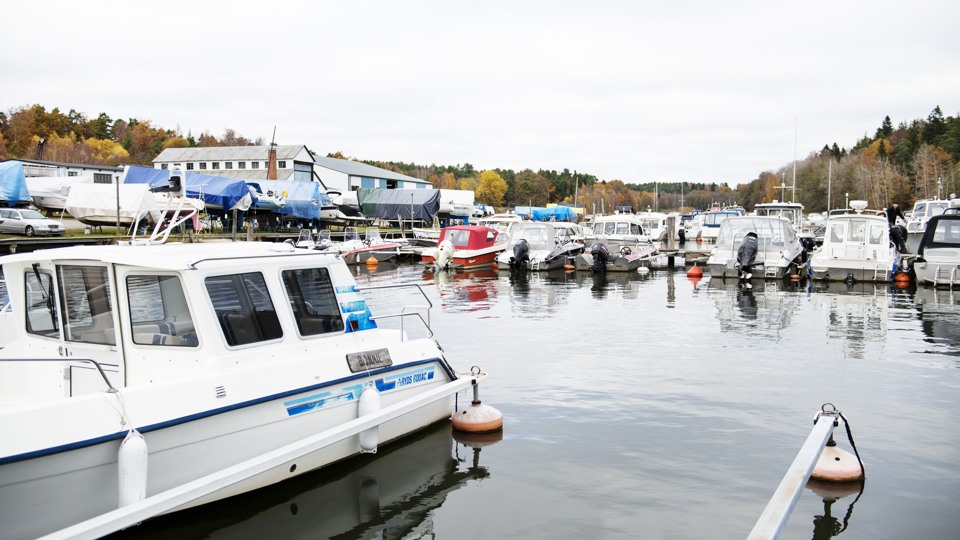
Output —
(415, 204)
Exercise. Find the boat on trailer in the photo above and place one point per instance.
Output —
(141, 375)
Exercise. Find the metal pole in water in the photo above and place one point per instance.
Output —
(785, 498)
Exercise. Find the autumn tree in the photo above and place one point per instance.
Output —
(491, 189)
(529, 188)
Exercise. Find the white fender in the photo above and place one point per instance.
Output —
(369, 403)
(132, 468)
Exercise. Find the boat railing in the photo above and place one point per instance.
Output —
(96, 364)
(408, 310)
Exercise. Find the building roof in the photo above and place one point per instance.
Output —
(69, 165)
(356, 168)
(228, 153)
(246, 174)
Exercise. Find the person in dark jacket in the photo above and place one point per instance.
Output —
(893, 213)
(897, 232)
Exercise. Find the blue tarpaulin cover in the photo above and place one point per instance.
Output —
(556, 213)
(304, 199)
(214, 190)
(13, 186)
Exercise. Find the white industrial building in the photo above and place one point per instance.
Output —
(294, 162)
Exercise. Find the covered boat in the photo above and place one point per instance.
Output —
(856, 247)
(938, 257)
(465, 247)
(142, 371)
(216, 192)
(50, 192)
(13, 185)
(778, 251)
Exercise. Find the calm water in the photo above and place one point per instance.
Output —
(653, 408)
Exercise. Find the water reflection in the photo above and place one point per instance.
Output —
(471, 290)
(535, 294)
(939, 313)
(757, 308)
(827, 525)
(856, 315)
(388, 495)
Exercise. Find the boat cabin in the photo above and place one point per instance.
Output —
(470, 237)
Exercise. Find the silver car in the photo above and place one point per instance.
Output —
(28, 222)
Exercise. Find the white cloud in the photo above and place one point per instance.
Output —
(630, 90)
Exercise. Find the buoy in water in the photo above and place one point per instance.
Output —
(372, 261)
(794, 277)
(837, 465)
(478, 440)
(695, 271)
(901, 277)
(477, 417)
(132, 468)
(643, 270)
(569, 267)
(699, 240)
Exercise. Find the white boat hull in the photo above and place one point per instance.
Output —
(76, 484)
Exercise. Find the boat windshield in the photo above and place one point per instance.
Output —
(772, 232)
(791, 214)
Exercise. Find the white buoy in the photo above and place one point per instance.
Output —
(837, 465)
(369, 403)
(132, 468)
(643, 270)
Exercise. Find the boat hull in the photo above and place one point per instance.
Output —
(75, 484)
(467, 260)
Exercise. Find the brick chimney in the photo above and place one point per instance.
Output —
(272, 162)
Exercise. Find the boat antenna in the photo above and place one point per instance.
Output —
(793, 197)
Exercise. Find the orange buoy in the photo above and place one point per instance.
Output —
(372, 261)
(837, 465)
(695, 280)
(695, 271)
(794, 277)
(901, 277)
(569, 267)
(699, 240)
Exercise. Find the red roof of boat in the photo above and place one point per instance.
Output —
(469, 236)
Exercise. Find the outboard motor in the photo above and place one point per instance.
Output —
(444, 255)
(600, 257)
(521, 255)
(746, 255)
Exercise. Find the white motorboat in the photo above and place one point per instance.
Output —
(356, 251)
(776, 250)
(144, 370)
(856, 247)
(534, 246)
(616, 231)
(938, 257)
(712, 222)
(923, 210)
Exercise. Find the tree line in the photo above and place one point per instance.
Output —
(916, 159)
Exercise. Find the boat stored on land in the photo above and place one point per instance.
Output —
(140, 369)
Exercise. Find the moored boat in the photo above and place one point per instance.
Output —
(755, 246)
(465, 247)
(534, 246)
(201, 357)
(938, 256)
(856, 247)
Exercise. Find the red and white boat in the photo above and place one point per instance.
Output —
(465, 246)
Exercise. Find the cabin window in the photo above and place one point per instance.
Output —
(459, 238)
(876, 233)
(158, 312)
(86, 304)
(635, 229)
(244, 309)
(313, 300)
(858, 231)
(836, 232)
(41, 309)
(623, 228)
(609, 228)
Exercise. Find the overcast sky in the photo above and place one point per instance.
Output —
(637, 91)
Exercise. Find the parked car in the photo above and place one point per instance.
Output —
(28, 222)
